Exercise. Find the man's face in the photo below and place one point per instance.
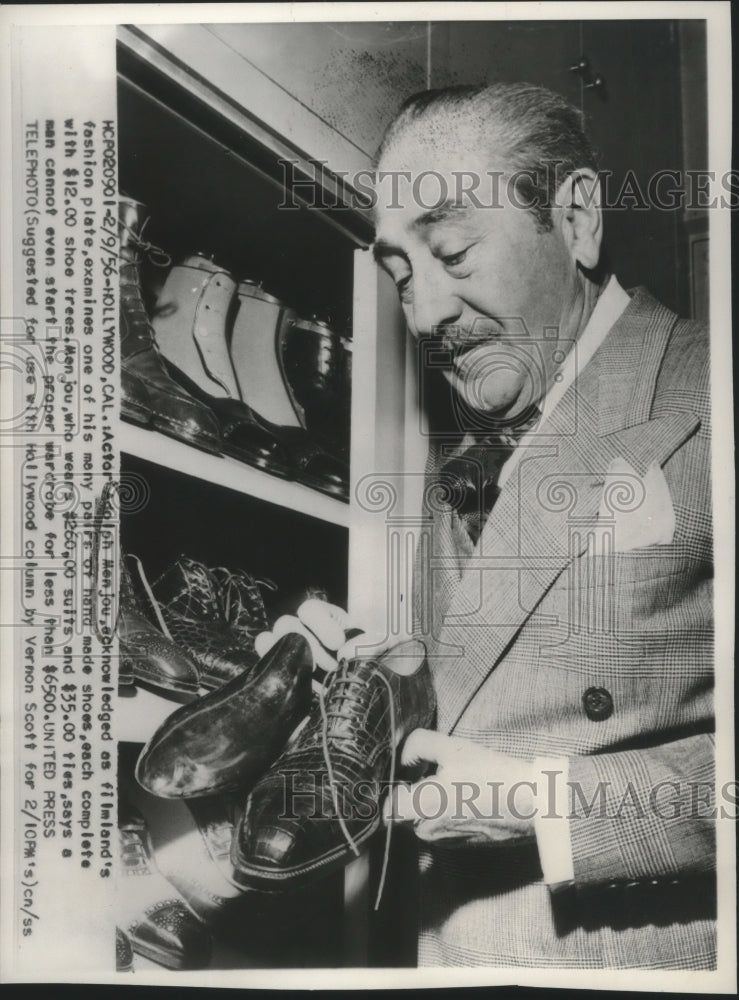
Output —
(500, 294)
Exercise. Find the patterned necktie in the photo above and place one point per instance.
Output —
(472, 477)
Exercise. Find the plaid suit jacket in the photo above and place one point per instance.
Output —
(545, 608)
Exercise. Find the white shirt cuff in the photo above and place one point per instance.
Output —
(551, 824)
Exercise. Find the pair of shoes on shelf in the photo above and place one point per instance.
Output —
(214, 615)
(147, 653)
(154, 919)
(275, 381)
(313, 792)
(181, 375)
(195, 628)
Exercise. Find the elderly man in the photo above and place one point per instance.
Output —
(566, 600)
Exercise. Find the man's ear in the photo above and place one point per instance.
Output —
(579, 213)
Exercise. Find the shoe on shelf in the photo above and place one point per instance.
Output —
(149, 394)
(314, 360)
(312, 465)
(227, 739)
(191, 842)
(240, 596)
(243, 436)
(260, 326)
(146, 652)
(151, 911)
(321, 799)
(189, 599)
(123, 952)
(189, 321)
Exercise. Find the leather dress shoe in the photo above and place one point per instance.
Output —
(162, 402)
(146, 654)
(190, 320)
(190, 603)
(243, 436)
(227, 739)
(123, 952)
(311, 464)
(284, 451)
(240, 597)
(191, 841)
(158, 923)
(314, 364)
(135, 400)
(321, 799)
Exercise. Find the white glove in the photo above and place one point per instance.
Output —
(325, 626)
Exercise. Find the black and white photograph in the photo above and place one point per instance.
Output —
(368, 494)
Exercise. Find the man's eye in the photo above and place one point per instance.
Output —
(452, 259)
(404, 287)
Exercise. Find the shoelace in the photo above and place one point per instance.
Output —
(152, 599)
(347, 681)
(157, 256)
(197, 574)
(231, 587)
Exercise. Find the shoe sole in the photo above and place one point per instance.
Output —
(212, 447)
(168, 961)
(337, 493)
(273, 468)
(134, 415)
(155, 682)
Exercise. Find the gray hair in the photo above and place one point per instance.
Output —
(541, 134)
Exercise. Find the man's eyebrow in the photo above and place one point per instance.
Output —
(447, 210)
(382, 248)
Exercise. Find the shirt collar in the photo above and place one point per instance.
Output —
(609, 307)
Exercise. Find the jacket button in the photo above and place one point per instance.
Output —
(598, 704)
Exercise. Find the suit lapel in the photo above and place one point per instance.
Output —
(549, 504)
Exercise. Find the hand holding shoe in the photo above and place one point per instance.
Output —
(476, 796)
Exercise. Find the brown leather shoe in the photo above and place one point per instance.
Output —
(321, 800)
(228, 739)
(190, 602)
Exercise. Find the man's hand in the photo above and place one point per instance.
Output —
(477, 796)
(325, 626)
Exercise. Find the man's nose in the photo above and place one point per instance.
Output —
(434, 303)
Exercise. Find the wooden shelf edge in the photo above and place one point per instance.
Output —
(231, 474)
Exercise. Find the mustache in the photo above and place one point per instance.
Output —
(455, 340)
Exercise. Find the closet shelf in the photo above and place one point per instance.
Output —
(234, 475)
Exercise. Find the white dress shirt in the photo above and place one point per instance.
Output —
(611, 303)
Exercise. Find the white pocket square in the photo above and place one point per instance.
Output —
(636, 509)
